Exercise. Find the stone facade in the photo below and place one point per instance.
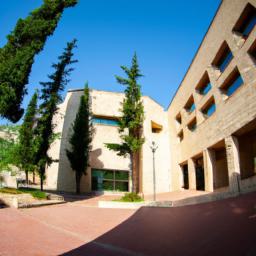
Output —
(107, 105)
(207, 137)
(235, 114)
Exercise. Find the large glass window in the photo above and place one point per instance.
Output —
(105, 121)
(234, 81)
(110, 180)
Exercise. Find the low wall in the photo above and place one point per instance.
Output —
(13, 200)
(248, 185)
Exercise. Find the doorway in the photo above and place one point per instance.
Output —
(185, 182)
(199, 167)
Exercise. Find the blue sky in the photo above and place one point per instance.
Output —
(165, 35)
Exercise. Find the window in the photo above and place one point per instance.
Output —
(190, 105)
(181, 135)
(111, 180)
(252, 51)
(204, 86)
(178, 118)
(232, 83)
(246, 22)
(156, 128)
(192, 125)
(105, 121)
(209, 108)
(223, 57)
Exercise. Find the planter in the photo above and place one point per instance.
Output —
(121, 205)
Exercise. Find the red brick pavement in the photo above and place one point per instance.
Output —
(219, 228)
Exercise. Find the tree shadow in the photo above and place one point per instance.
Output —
(217, 228)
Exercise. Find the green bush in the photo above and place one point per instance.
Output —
(131, 197)
(12, 191)
(34, 192)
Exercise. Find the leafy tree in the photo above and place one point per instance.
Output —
(7, 149)
(26, 139)
(131, 121)
(51, 97)
(81, 138)
(8, 145)
(17, 56)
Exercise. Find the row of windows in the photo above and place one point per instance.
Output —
(244, 26)
(105, 121)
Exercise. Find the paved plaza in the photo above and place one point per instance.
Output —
(226, 227)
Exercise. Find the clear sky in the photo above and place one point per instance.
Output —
(164, 33)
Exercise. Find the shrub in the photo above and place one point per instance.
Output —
(131, 197)
(34, 192)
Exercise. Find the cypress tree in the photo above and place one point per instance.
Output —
(80, 140)
(51, 97)
(17, 56)
(131, 120)
(26, 139)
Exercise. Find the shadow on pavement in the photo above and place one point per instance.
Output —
(218, 228)
(2, 204)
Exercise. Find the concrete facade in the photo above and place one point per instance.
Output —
(207, 137)
(215, 137)
(107, 105)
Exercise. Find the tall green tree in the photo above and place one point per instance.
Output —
(81, 138)
(51, 97)
(131, 120)
(17, 56)
(26, 138)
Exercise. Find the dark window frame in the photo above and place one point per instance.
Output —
(210, 105)
(190, 105)
(246, 22)
(113, 179)
(233, 82)
(192, 125)
(223, 57)
(105, 120)
(204, 85)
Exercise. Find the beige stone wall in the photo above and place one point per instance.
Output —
(154, 112)
(231, 113)
(107, 104)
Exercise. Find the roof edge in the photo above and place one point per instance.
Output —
(197, 51)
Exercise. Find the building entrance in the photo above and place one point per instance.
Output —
(185, 183)
(199, 166)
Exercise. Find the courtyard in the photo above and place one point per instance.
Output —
(226, 227)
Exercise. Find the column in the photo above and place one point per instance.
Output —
(191, 174)
(232, 149)
(209, 168)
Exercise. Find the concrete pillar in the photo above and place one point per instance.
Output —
(209, 168)
(232, 149)
(191, 174)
